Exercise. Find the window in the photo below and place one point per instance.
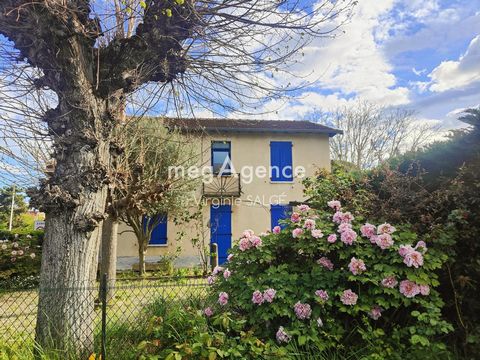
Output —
(281, 161)
(220, 156)
(159, 233)
(279, 212)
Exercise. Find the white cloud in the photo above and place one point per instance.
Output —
(458, 74)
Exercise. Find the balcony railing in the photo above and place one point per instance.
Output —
(223, 186)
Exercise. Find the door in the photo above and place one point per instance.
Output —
(221, 229)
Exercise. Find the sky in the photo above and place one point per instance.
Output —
(420, 54)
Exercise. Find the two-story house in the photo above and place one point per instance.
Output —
(258, 167)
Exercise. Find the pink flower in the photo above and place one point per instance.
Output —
(348, 237)
(303, 208)
(20, 252)
(297, 232)
(230, 257)
(375, 313)
(211, 280)
(303, 311)
(309, 224)
(405, 249)
(269, 295)
(277, 229)
(389, 282)
(282, 335)
(217, 270)
(385, 229)
(325, 262)
(422, 246)
(409, 288)
(356, 266)
(384, 241)
(332, 238)
(257, 297)
(414, 259)
(208, 311)
(248, 233)
(319, 322)
(227, 273)
(335, 205)
(223, 298)
(343, 227)
(317, 234)
(244, 244)
(14, 253)
(424, 289)
(348, 297)
(368, 230)
(322, 294)
(295, 217)
(32, 255)
(4, 247)
(256, 241)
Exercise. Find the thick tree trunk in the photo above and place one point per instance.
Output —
(108, 263)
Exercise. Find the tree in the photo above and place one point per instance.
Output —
(216, 53)
(20, 206)
(373, 133)
(145, 189)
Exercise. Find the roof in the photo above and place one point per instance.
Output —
(251, 126)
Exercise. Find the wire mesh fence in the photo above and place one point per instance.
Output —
(127, 308)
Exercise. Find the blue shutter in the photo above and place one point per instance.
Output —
(279, 212)
(280, 158)
(159, 233)
(221, 229)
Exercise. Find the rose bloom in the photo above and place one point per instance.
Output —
(422, 246)
(227, 273)
(405, 249)
(32, 255)
(385, 229)
(322, 294)
(348, 297)
(319, 322)
(335, 205)
(277, 229)
(297, 232)
(303, 208)
(414, 259)
(282, 335)
(303, 311)
(295, 217)
(389, 282)
(14, 253)
(409, 289)
(244, 244)
(337, 217)
(343, 227)
(375, 313)
(356, 266)
(317, 234)
(269, 295)
(347, 217)
(230, 257)
(384, 241)
(424, 289)
(368, 230)
(208, 311)
(256, 241)
(247, 233)
(348, 237)
(257, 297)
(211, 280)
(332, 238)
(216, 270)
(4, 247)
(20, 252)
(325, 262)
(223, 298)
(309, 224)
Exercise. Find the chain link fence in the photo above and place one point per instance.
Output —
(119, 314)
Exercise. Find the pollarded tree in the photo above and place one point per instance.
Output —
(219, 52)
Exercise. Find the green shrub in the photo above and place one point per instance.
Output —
(273, 283)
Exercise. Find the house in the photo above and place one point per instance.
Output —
(258, 167)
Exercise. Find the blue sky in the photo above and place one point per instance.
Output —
(421, 54)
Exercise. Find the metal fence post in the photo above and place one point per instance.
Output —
(103, 299)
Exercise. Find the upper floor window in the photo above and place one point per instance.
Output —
(221, 156)
(281, 161)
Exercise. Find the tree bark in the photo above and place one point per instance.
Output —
(108, 263)
(141, 260)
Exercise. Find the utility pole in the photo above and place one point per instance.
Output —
(11, 209)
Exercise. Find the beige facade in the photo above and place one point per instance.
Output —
(250, 210)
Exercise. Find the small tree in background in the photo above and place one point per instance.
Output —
(19, 208)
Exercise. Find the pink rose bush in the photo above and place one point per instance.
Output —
(303, 283)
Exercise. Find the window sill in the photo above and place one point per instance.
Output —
(157, 245)
(282, 182)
